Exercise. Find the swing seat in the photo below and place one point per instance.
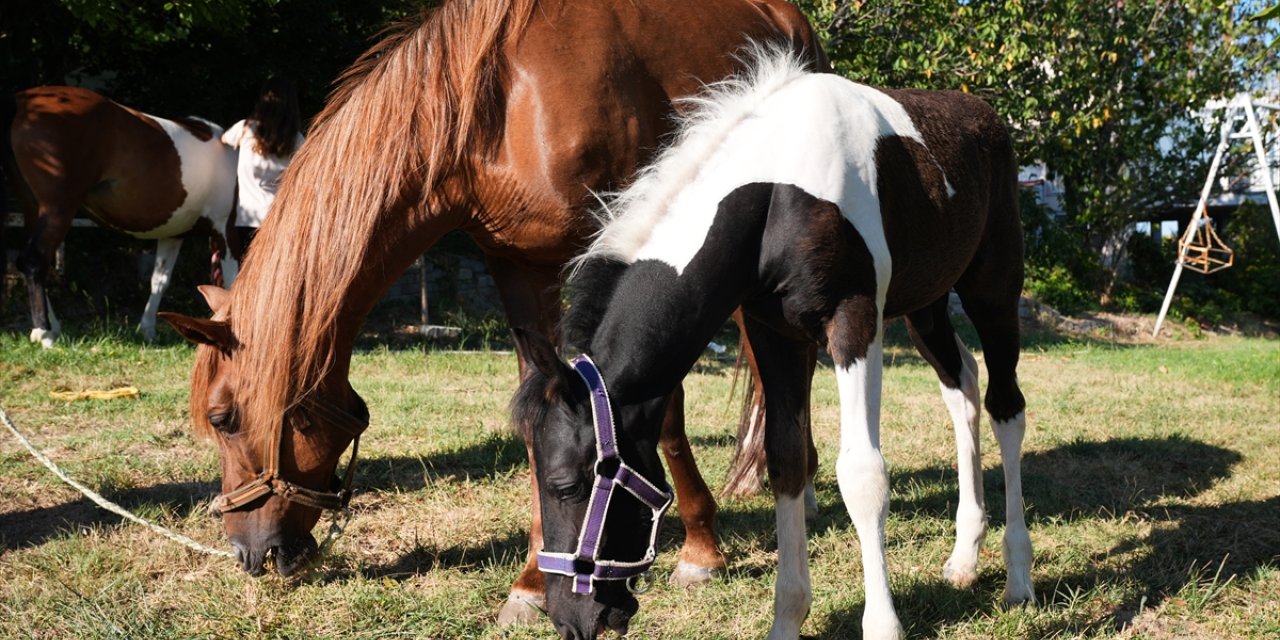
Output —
(1202, 250)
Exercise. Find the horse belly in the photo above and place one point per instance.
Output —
(204, 181)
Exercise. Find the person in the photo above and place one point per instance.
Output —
(266, 141)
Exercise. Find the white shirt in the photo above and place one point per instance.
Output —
(258, 175)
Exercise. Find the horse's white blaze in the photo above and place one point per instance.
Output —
(1018, 588)
(792, 593)
(971, 516)
(208, 170)
(864, 482)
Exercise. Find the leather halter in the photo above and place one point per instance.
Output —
(269, 481)
(585, 565)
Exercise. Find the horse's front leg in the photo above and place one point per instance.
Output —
(855, 339)
(531, 298)
(784, 368)
(700, 557)
(166, 257)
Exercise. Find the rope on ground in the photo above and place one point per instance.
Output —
(103, 502)
(96, 394)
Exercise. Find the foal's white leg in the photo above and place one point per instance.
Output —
(864, 483)
(166, 256)
(964, 405)
(1018, 588)
(792, 593)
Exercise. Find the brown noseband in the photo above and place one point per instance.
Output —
(270, 482)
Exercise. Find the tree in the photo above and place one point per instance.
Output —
(1090, 87)
(188, 57)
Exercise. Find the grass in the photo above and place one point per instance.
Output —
(1150, 477)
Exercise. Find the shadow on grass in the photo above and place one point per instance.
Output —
(507, 550)
(33, 527)
(495, 455)
(1127, 477)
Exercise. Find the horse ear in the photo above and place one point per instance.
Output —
(215, 333)
(542, 354)
(216, 297)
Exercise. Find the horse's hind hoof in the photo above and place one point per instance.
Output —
(46, 337)
(522, 608)
(690, 575)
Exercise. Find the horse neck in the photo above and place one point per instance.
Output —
(658, 323)
(316, 346)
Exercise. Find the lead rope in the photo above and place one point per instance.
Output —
(336, 527)
(103, 502)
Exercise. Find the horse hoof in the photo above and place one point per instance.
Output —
(959, 576)
(1019, 596)
(45, 337)
(691, 575)
(522, 608)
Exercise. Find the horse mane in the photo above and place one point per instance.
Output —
(589, 290)
(412, 110)
(709, 118)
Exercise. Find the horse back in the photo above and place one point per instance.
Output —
(955, 194)
(77, 149)
(571, 134)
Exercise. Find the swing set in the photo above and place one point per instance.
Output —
(1200, 248)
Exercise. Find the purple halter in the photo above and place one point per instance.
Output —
(585, 565)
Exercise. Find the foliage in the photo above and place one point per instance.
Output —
(1060, 271)
(1089, 87)
(1101, 92)
(214, 54)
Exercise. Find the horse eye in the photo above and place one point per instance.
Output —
(224, 421)
(572, 492)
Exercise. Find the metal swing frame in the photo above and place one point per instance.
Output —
(1200, 248)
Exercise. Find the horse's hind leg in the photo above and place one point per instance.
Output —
(700, 557)
(934, 336)
(166, 256)
(994, 313)
(45, 231)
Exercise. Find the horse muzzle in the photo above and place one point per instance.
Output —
(288, 556)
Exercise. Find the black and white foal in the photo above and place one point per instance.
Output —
(821, 207)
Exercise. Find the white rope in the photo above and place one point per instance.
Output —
(103, 502)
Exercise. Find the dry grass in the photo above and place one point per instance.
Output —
(1150, 475)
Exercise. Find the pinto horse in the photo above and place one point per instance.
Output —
(496, 117)
(152, 178)
(820, 207)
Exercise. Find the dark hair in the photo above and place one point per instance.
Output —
(276, 117)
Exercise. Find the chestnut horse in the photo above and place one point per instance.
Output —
(496, 117)
(821, 207)
(149, 177)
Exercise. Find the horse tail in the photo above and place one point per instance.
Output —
(746, 470)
